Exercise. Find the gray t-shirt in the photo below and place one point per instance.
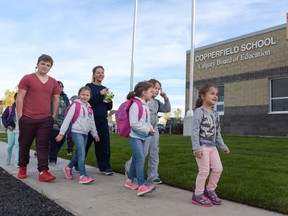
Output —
(156, 106)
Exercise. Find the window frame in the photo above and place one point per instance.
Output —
(221, 103)
(276, 98)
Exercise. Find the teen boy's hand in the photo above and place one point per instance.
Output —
(97, 138)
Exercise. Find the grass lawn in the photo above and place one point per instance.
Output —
(255, 173)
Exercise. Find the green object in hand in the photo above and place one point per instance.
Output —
(109, 96)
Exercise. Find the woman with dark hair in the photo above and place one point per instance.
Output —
(55, 146)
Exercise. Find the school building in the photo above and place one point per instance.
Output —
(251, 72)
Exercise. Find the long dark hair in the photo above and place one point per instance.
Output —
(202, 92)
(139, 88)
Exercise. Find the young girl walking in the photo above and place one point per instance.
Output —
(205, 138)
(79, 132)
(151, 145)
(140, 130)
(10, 122)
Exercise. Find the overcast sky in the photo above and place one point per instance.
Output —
(80, 34)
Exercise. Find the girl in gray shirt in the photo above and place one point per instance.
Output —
(205, 138)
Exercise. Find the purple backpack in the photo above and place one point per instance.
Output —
(9, 111)
(122, 116)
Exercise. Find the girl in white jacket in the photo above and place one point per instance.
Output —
(140, 130)
(79, 131)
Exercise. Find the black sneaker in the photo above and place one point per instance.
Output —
(107, 171)
(157, 181)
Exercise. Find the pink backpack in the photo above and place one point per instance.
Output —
(122, 116)
(75, 116)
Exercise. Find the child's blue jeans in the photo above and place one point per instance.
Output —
(80, 141)
(138, 160)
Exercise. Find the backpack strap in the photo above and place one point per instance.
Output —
(9, 111)
(77, 111)
(138, 102)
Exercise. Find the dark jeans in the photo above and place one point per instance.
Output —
(102, 148)
(40, 129)
(54, 146)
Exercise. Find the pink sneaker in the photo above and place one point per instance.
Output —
(131, 184)
(85, 180)
(145, 188)
(68, 172)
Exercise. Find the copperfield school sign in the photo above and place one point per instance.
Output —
(244, 52)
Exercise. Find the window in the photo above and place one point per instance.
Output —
(220, 104)
(279, 95)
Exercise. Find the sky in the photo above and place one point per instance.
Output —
(79, 35)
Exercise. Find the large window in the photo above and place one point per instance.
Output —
(279, 95)
(220, 104)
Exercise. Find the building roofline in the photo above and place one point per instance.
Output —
(282, 26)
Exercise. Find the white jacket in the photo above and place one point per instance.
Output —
(141, 126)
(85, 122)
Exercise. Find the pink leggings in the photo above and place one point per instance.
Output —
(209, 159)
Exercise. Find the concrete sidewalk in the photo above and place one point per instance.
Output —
(107, 196)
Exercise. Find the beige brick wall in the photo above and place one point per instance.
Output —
(278, 57)
(247, 93)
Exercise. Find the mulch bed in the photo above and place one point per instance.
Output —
(17, 198)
